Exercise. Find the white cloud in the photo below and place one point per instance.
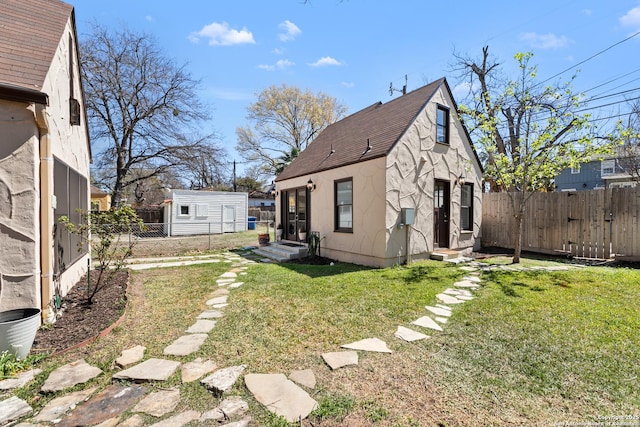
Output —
(546, 41)
(290, 31)
(326, 61)
(631, 18)
(219, 34)
(463, 89)
(149, 18)
(279, 65)
(277, 51)
(348, 84)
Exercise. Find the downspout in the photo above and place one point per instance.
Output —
(46, 214)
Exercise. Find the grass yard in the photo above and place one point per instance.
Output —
(534, 348)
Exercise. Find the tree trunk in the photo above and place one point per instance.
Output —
(517, 244)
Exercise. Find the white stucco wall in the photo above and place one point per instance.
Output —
(412, 168)
(19, 208)
(68, 143)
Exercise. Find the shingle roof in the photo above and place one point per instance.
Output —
(380, 124)
(30, 31)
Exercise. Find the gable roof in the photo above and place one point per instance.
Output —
(378, 126)
(30, 31)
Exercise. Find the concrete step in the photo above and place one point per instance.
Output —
(282, 251)
(444, 254)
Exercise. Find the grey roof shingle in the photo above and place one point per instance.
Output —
(30, 31)
(380, 125)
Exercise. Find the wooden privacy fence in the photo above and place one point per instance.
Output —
(592, 224)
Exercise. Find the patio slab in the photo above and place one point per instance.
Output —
(409, 335)
(369, 344)
(185, 345)
(149, 370)
(427, 322)
(340, 359)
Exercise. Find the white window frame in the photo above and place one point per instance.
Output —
(575, 170)
(202, 210)
(607, 165)
(180, 206)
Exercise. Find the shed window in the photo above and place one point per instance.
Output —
(442, 125)
(575, 170)
(202, 210)
(184, 210)
(466, 207)
(344, 205)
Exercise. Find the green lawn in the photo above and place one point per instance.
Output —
(534, 348)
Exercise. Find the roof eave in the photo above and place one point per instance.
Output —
(22, 94)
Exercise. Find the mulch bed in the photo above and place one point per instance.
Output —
(80, 320)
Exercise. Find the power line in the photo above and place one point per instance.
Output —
(591, 57)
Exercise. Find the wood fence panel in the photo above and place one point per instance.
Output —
(568, 222)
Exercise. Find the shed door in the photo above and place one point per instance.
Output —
(441, 214)
(228, 219)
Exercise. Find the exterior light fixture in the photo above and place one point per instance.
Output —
(461, 180)
(310, 185)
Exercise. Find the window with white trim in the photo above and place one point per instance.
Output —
(575, 170)
(344, 205)
(608, 167)
(184, 210)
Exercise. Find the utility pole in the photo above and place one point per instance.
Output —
(235, 187)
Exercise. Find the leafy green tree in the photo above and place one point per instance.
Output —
(109, 235)
(528, 132)
(284, 120)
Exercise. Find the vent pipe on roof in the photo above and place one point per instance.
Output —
(369, 147)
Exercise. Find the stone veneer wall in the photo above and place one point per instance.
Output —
(412, 168)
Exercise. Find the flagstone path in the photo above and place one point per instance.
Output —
(281, 395)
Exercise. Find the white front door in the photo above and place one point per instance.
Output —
(228, 219)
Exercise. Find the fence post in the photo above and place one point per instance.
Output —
(209, 235)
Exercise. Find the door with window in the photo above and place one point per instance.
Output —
(441, 204)
(295, 213)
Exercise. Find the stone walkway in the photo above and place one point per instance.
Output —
(286, 397)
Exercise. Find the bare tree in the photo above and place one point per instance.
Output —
(629, 151)
(527, 132)
(142, 107)
(285, 120)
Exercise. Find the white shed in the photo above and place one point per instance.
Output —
(191, 212)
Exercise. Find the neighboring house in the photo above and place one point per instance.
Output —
(100, 201)
(409, 161)
(596, 174)
(192, 212)
(44, 154)
(260, 199)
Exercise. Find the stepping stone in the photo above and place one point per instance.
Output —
(466, 284)
(130, 356)
(185, 345)
(159, 403)
(149, 370)
(191, 371)
(245, 422)
(468, 268)
(110, 403)
(441, 319)
(201, 326)
(229, 408)
(369, 344)
(455, 292)
(210, 314)
(409, 335)
(61, 405)
(179, 419)
(224, 282)
(22, 379)
(439, 311)
(217, 300)
(280, 396)
(340, 359)
(12, 409)
(446, 307)
(474, 279)
(133, 421)
(448, 299)
(427, 322)
(223, 379)
(219, 306)
(304, 377)
(219, 291)
(228, 275)
(465, 297)
(78, 372)
(236, 284)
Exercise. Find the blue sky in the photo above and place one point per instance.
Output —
(353, 49)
